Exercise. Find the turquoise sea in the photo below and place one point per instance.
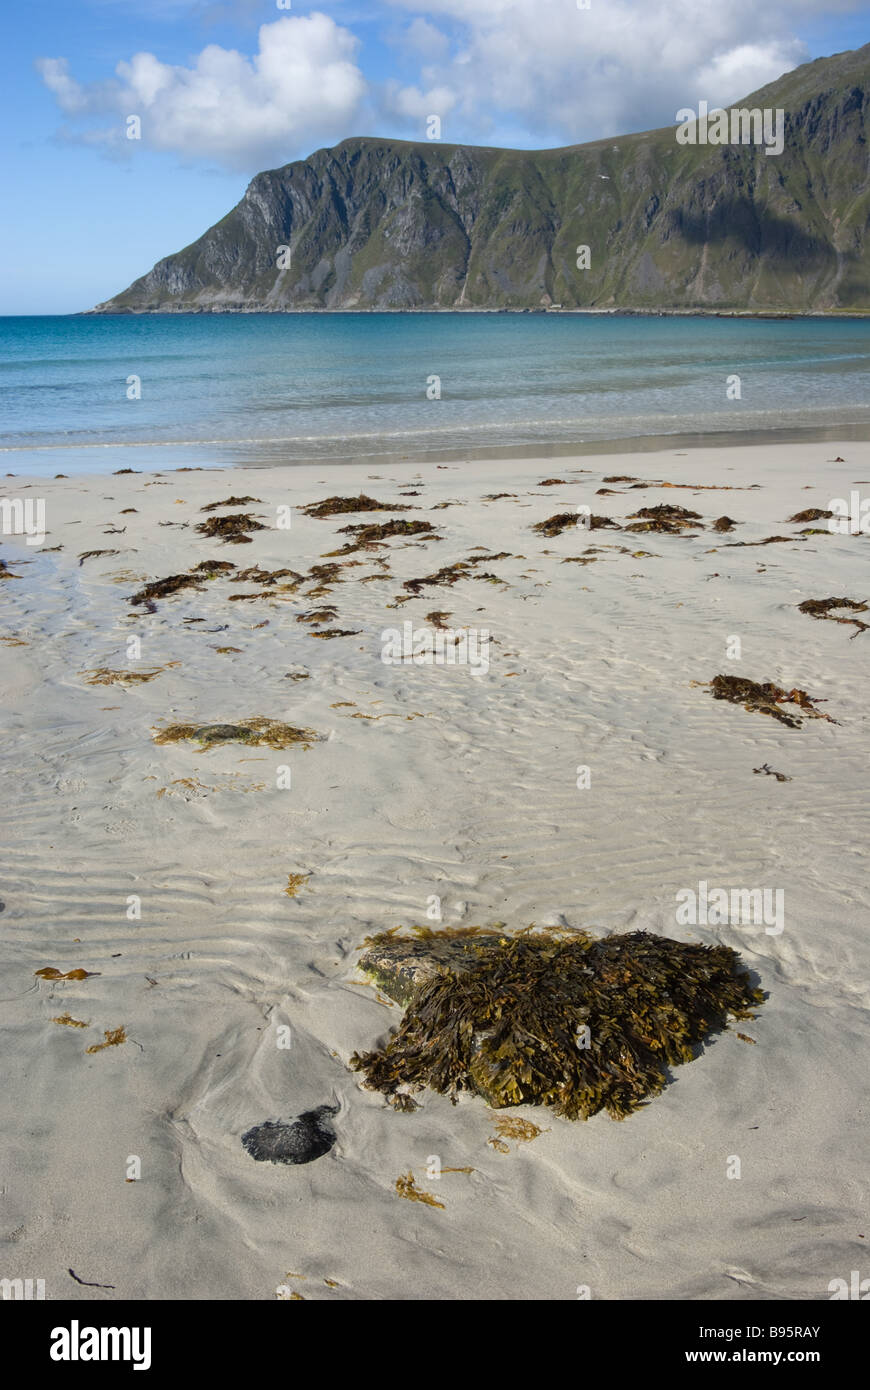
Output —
(271, 388)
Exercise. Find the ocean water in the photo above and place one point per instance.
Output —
(272, 388)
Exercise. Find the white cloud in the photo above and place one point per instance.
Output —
(545, 70)
(302, 85)
(425, 41)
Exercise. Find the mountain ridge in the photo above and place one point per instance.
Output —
(379, 224)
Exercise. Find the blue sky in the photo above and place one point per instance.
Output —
(224, 88)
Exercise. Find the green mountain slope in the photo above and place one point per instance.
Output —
(390, 224)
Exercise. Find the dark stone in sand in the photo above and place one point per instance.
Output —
(308, 1137)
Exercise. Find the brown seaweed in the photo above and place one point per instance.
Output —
(766, 698)
(555, 525)
(318, 615)
(438, 618)
(232, 530)
(94, 555)
(812, 514)
(102, 675)
(366, 537)
(162, 588)
(407, 1187)
(256, 575)
(821, 608)
(257, 733)
(212, 569)
(768, 771)
(114, 1037)
(50, 972)
(666, 519)
(553, 1018)
(229, 502)
(338, 506)
(768, 540)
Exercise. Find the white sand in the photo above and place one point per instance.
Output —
(476, 801)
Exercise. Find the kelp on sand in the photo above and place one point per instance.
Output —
(822, 608)
(232, 529)
(340, 506)
(765, 698)
(256, 733)
(552, 1018)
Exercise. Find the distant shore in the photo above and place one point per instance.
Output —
(705, 313)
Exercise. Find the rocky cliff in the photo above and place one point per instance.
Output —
(388, 224)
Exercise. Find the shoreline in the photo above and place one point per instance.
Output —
(857, 432)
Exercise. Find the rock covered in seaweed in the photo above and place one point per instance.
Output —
(553, 1018)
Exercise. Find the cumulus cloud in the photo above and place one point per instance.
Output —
(302, 85)
(548, 69)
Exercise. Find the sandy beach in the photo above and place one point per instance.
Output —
(218, 896)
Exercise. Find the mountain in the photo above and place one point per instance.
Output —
(391, 224)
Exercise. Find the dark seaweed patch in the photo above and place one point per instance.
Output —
(555, 525)
(812, 514)
(556, 1019)
(365, 537)
(338, 506)
(94, 554)
(666, 518)
(770, 772)
(821, 608)
(304, 1139)
(163, 588)
(766, 698)
(232, 530)
(229, 502)
(258, 732)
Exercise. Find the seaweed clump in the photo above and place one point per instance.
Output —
(666, 518)
(338, 506)
(103, 675)
(229, 502)
(268, 733)
(557, 1018)
(821, 608)
(365, 537)
(765, 698)
(812, 514)
(555, 525)
(232, 530)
